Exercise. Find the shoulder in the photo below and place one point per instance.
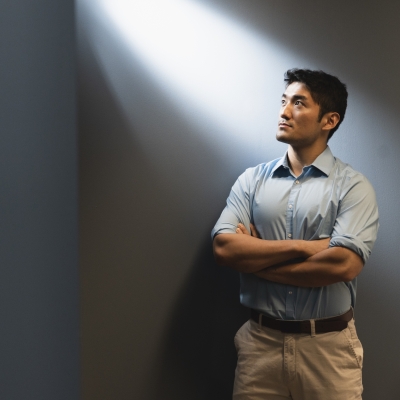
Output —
(351, 178)
(250, 178)
(261, 170)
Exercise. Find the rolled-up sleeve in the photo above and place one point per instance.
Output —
(237, 207)
(357, 222)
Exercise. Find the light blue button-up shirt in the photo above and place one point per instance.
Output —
(328, 199)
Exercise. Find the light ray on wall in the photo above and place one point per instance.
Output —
(204, 61)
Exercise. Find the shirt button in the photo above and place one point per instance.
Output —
(290, 235)
(297, 182)
(290, 292)
(290, 206)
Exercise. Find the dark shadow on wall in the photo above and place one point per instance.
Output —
(381, 347)
(198, 356)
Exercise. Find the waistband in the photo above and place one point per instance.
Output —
(322, 325)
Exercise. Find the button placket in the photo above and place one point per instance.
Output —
(290, 208)
(290, 234)
(290, 301)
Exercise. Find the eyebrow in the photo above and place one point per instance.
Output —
(295, 97)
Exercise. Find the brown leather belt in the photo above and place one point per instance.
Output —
(324, 325)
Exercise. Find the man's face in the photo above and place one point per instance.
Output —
(298, 123)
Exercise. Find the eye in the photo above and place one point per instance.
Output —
(298, 103)
(283, 102)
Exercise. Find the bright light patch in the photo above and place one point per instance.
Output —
(204, 61)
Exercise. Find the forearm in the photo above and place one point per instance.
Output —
(336, 264)
(249, 254)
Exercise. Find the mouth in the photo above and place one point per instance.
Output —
(283, 124)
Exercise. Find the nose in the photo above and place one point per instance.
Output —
(285, 111)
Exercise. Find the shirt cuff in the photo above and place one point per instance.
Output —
(223, 228)
(353, 243)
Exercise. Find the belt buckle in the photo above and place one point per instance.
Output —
(290, 326)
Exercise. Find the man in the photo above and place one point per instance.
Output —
(299, 229)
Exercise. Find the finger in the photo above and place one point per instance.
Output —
(243, 229)
(239, 231)
(254, 231)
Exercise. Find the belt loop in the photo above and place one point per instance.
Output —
(312, 323)
(259, 321)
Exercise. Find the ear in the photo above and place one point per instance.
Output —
(330, 120)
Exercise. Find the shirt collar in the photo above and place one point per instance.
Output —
(324, 162)
(282, 162)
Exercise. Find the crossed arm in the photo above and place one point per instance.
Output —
(292, 262)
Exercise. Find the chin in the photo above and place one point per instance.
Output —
(281, 137)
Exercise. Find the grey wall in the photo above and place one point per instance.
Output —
(171, 112)
(39, 330)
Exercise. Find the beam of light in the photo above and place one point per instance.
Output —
(206, 62)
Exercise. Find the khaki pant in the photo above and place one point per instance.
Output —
(274, 365)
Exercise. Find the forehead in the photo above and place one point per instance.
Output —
(296, 90)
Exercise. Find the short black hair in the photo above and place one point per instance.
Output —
(325, 89)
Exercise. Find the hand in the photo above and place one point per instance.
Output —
(241, 230)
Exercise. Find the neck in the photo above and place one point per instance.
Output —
(301, 157)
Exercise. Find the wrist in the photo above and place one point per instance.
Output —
(305, 248)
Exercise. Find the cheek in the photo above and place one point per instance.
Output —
(308, 122)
